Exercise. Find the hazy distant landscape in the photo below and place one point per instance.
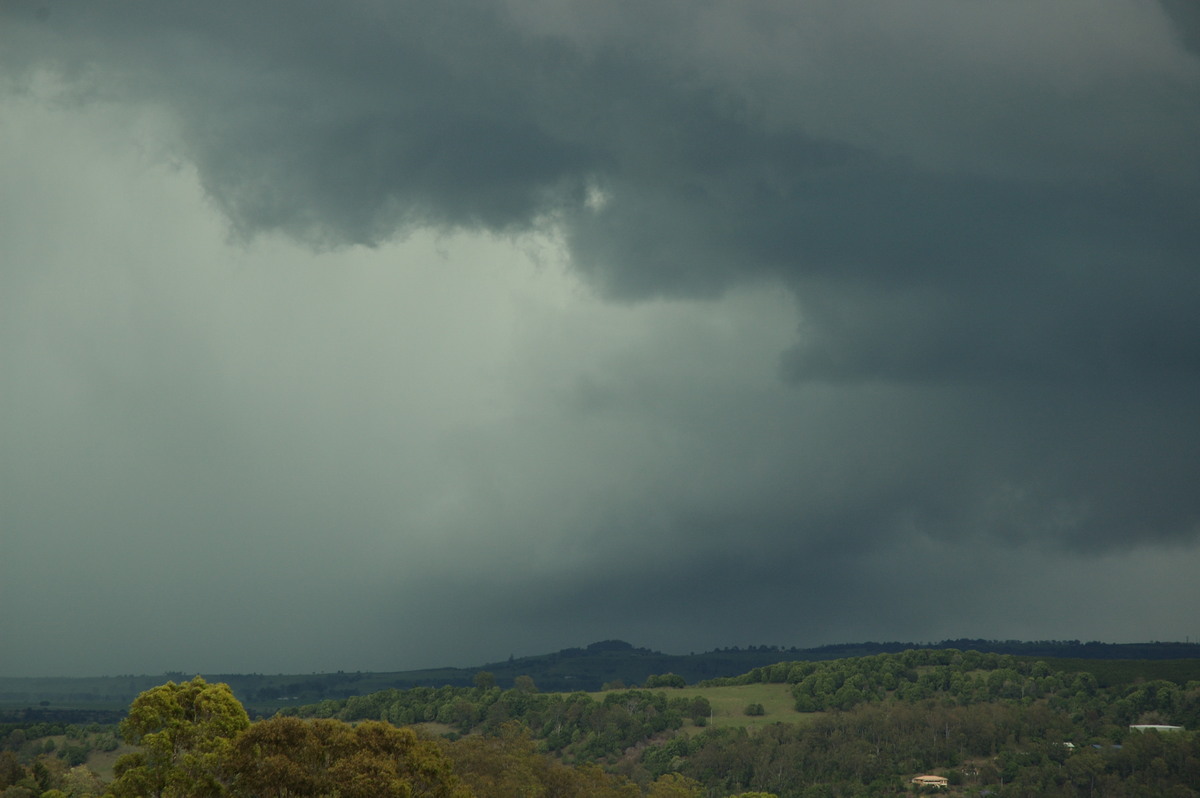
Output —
(1013, 718)
(585, 669)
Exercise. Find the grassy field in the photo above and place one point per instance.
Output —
(729, 704)
(101, 762)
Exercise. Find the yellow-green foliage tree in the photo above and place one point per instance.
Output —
(185, 732)
(290, 757)
(674, 785)
(508, 765)
(81, 782)
(196, 741)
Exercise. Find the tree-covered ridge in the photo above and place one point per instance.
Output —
(576, 726)
(105, 699)
(580, 725)
(1008, 750)
(983, 719)
(592, 666)
(986, 722)
(965, 678)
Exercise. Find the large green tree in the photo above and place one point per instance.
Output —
(185, 732)
(284, 757)
(508, 765)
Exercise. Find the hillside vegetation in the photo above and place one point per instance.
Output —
(858, 726)
(610, 662)
(847, 728)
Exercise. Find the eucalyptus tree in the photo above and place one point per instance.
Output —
(185, 732)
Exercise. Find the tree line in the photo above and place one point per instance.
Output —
(195, 740)
(862, 726)
(577, 727)
(971, 677)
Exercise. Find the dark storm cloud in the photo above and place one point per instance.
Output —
(1025, 209)
(984, 213)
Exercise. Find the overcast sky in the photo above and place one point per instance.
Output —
(389, 335)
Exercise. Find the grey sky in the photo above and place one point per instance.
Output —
(415, 334)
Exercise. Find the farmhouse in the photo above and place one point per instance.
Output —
(931, 781)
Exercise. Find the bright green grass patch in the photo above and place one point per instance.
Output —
(729, 704)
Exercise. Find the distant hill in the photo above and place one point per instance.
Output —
(614, 660)
(588, 668)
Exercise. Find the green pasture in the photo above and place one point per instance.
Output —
(729, 704)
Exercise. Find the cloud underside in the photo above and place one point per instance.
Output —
(980, 193)
(981, 217)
